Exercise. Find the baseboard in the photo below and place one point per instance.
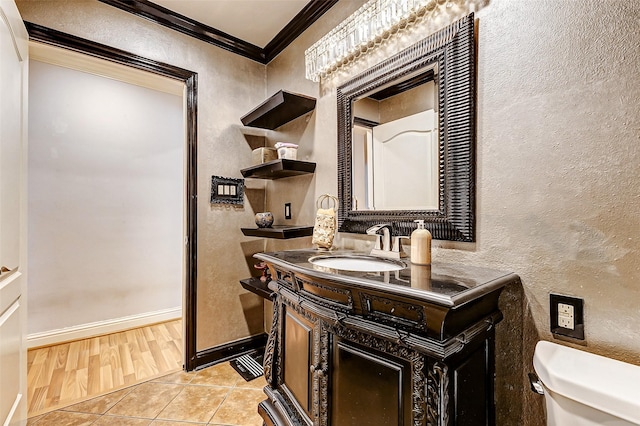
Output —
(83, 331)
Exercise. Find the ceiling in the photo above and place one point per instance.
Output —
(256, 29)
(254, 21)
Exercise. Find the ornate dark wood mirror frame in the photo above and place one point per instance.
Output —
(452, 51)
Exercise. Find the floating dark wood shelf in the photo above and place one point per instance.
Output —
(279, 109)
(254, 285)
(278, 169)
(279, 232)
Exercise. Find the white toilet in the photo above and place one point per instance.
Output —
(583, 389)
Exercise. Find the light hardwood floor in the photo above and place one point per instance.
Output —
(76, 371)
(215, 396)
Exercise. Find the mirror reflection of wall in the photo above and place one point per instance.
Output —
(395, 149)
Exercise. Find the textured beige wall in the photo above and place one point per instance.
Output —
(414, 101)
(558, 156)
(558, 153)
(228, 87)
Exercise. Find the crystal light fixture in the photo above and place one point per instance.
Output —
(367, 27)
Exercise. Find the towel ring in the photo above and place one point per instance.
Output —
(330, 200)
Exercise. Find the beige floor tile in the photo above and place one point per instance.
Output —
(121, 421)
(218, 375)
(63, 418)
(99, 405)
(240, 408)
(257, 383)
(181, 377)
(217, 394)
(146, 400)
(195, 404)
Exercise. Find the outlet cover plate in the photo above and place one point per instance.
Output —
(578, 316)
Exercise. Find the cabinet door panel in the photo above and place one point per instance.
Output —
(368, 388)
(298, 341)
(473, 388)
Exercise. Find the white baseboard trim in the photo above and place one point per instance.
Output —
(83, 331)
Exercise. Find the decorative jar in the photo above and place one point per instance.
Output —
(264, 219)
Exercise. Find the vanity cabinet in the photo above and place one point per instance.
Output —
(343, 353)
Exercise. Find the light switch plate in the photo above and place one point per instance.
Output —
(567, 316)
(226, 190)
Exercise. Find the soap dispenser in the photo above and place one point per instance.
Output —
(421, 245)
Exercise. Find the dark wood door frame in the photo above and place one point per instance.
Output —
(66, 41)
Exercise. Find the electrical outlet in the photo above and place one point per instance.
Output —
(567, 317)
(287, 210)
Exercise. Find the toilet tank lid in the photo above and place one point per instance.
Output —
(602, 383)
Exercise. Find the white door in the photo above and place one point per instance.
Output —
(405, 163)
(13, 84)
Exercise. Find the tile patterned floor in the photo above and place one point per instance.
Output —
(217, 395)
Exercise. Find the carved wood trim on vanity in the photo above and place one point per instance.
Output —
(438, 394)
(388, 314)
(377, 349)
(429, 374)
(334, 298)
(270, 348)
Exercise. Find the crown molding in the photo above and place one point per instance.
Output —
(160, 15)
(303, 20)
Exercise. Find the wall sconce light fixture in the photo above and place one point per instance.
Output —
(370, 25)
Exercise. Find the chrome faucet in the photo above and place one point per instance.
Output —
(385, 246)
(383, 240)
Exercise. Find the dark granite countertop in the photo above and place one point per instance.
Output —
(445, 284)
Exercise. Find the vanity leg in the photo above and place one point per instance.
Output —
(270, 355)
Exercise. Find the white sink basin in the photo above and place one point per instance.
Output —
(358, 263)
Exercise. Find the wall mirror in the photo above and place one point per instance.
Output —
(406, 139)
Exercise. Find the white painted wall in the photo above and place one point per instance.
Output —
(105, 199)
